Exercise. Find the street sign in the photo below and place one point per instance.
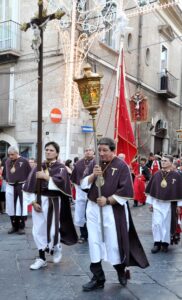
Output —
(56, 115)
(86, 129)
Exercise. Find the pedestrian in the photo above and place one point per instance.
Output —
(32, 162)
(121, 246)
(140, 183)
(76, 158)
(150, 160)
(52, 219)
(156, 164)
(15, 173)
(69, 166)
(81, 196)
(164, 194)
(2, 193)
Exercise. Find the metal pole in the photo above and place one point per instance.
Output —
(71, 73)
(39, 120)
(97, 162)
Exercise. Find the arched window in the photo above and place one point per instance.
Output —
(147, 57)
(130, 42)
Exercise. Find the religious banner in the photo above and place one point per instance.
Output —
(139, 107)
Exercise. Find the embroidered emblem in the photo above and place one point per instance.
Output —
(20, 163)
(113, 170)
(61, 170)
(173, 180)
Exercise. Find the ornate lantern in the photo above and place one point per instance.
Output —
(90, 89)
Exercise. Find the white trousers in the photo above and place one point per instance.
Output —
(108, 250)
(10, 203)
(80, 207)
(161, 222)
(39, 229)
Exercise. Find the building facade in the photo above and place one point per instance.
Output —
(153, 63)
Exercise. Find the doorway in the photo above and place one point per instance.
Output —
(160, 134)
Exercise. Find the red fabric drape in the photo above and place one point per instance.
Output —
(124, 135)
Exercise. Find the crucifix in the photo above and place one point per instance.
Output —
(38, 24)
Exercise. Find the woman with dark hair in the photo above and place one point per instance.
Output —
(52, 219)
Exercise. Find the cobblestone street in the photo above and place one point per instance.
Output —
(162, 280)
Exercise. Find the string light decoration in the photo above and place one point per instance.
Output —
(92, 23)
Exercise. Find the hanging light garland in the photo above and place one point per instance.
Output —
(93, 24)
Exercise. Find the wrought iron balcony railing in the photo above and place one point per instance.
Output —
(9, 37)
(167, 85)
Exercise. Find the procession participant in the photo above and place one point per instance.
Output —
(156, 164)
(15, 173)
(121, 246)
(52, 219)
(140, 182)
(81, 196)
(69, 166)
(150, 160)
(164, 194)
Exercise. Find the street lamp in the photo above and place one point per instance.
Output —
(90, 89)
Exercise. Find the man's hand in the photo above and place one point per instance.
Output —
(37, 207)
(101, 201)
(97, 170)
(42, 175)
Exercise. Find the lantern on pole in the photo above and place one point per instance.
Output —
(90, 89)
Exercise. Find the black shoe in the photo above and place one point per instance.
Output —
(93, 285)
(155, 249)
(165, 249)
(122, 278)
(12, 230)
(21, 231)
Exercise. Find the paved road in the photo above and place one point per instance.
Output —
(161, 281)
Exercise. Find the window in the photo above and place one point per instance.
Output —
(147, 57)
(9, 16)
(130, 42)
(109, 12)
(164, 59)
(27, 150)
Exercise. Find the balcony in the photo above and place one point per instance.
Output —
(167, 85)
(9, 41)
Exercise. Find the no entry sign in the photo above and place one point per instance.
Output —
(56, 115)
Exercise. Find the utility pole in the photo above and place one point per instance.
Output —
(38, 25)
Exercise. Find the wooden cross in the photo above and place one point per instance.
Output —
(38, 25)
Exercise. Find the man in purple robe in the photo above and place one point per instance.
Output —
(15, 173)
(52, 219)
(164, 194)
(121, 246)
(81, 196)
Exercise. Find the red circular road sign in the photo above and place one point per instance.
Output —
(56, 115)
